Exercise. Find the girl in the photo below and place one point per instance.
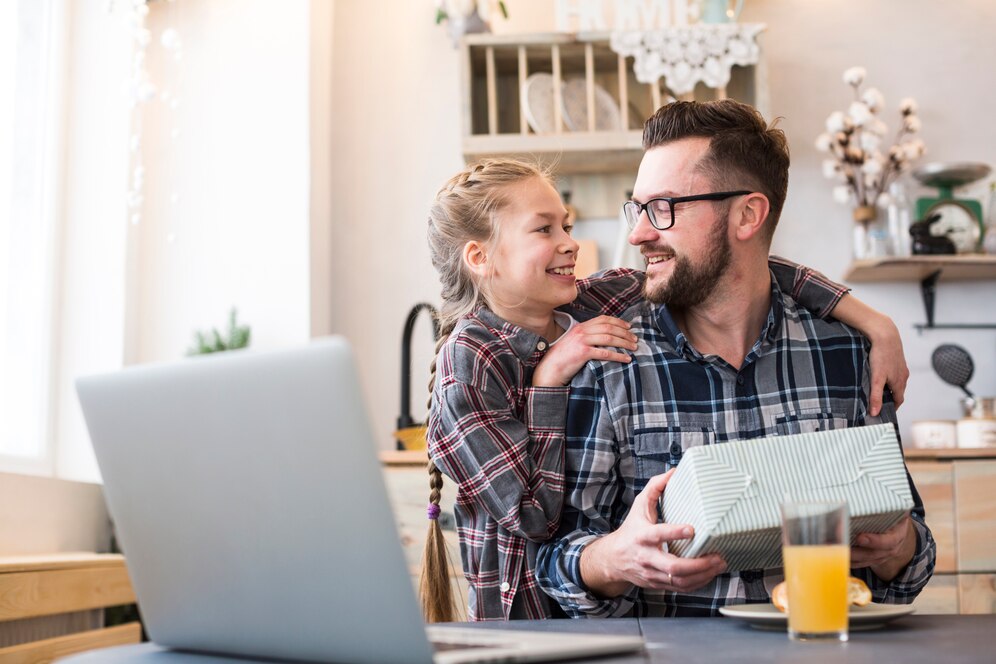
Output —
(499, 237)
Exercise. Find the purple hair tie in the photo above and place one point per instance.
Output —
(433, 511)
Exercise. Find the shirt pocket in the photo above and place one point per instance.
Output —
(808, 421)
(658, 451)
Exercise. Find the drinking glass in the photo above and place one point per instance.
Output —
(817, 555)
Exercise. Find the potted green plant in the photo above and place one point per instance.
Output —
(214, 342)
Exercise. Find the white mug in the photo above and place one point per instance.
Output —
(976, 432)
(934, 434)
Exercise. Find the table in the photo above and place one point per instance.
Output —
(930, 639)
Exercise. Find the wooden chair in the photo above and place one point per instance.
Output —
(50, 606)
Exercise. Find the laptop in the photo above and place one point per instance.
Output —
(248, 499)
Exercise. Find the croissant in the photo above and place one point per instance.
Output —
(858, 594)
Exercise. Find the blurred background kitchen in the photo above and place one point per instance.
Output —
(164, 163)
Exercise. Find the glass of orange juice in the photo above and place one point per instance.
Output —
(817, 555)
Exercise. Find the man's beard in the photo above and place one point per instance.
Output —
(690, 285)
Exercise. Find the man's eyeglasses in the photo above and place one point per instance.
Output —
(660, 211)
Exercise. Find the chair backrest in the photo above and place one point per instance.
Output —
(36, 590)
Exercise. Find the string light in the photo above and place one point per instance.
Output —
(141, 91)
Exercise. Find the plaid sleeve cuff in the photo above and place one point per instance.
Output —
(559, 574)
(816, 292)
(813, 290)
(908, 583)
(546, 408)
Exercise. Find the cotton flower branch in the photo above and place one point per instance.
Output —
(854, 142)
(447, 9)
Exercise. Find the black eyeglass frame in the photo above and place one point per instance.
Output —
(671, 202)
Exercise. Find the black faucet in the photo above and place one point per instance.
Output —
(405, 420)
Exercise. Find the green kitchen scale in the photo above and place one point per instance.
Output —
(961, 218)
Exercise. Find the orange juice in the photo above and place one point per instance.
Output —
(816, 576)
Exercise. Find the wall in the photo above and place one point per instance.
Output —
(396, 139)
(237, 203)
(45, 515)
(250, 227)
(938, 53)
(238, 233)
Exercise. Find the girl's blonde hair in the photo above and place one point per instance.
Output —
(465, 210)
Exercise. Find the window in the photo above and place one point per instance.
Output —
(29, 173)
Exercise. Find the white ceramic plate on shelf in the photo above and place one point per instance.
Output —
(766, 616)
(537, 102)
(607, 116)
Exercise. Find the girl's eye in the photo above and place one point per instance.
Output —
(568, 228)
(543, 229)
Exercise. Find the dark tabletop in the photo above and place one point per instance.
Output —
(930, 639)
(917, 638)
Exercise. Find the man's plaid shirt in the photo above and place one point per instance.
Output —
(502, 440)
(629, 422)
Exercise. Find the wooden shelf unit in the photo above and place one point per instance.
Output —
(495, 67)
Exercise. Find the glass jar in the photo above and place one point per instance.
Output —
(989, 239)
(871, 234)
(900, 218)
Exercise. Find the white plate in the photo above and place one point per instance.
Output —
(537, 102)
(766, 616)
(575, 101)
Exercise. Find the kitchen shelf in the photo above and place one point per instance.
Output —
(927, 270)
(917, 268)
(927, 454)
(587, 152)
(495, 124)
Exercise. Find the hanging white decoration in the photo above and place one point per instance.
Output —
(685, 56)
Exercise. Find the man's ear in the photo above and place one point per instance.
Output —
(476, 258)
(753, 216)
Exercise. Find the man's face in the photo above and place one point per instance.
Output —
(686, 261)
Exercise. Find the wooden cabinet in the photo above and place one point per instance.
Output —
(958, 488)
(497, 68)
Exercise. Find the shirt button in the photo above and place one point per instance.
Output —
(505, 586)
(740, 380)
(541, 345)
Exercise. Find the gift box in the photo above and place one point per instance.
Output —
(731, 493)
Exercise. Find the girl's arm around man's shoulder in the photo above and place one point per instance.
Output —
(610, 292)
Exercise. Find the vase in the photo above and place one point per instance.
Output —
(870, 234)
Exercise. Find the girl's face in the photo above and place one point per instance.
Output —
(532, 264)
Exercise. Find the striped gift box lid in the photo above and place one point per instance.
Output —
(731, 493)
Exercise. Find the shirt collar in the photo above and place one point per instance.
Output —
(522, 342)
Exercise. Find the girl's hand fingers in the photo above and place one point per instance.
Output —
(614, 330)
(610, 340)
(608, 323)
(608, 355)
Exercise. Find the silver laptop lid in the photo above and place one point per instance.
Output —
(250, 505)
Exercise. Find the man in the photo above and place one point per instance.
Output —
(729, 357)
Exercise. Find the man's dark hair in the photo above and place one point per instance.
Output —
(744, 153)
